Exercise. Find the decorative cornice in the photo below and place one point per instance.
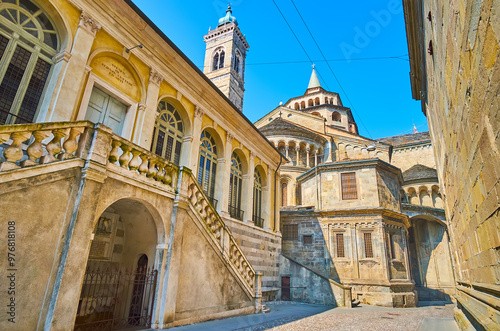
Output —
(155, 77)
(89, 24)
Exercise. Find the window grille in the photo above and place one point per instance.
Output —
(235, 184)
(208, 165)
(257, 199)
(349, 190)
(340, 244)
(28, 45)
(368, 244)
(290, 232)
(168, 132)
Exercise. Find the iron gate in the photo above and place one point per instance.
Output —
(112, 300)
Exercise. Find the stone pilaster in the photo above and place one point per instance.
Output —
(73, 77)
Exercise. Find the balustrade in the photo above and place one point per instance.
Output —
(218, 229)
(24, 143)
(141, 161)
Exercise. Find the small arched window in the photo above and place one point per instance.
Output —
(235, 183)
(284, 194)
(310, 103)
(336, 116)
(237, 62)
(297, 107)
(208, 166)
(28, 45)
(257, 199)
(168, 133)
(218, 59)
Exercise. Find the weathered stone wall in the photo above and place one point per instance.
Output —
(462, 74)
(406, 157)
(307, 286)
(262, 248)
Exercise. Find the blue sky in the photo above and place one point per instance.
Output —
(354, 35)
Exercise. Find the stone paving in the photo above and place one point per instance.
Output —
(297, 316)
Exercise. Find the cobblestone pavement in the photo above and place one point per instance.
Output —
(367, 318)
(298, 316)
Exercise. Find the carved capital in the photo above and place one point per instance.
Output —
(198, 112)
(252, 155)
(229, 138)
(141, 107)
(89, 24)
(63, 56)
(155, 77)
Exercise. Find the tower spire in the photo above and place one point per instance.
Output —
(314, 81)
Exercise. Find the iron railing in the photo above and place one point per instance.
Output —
(112, 300)
(212, 201)
(235, 212)
(258, 221)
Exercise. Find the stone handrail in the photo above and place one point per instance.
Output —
(217, 228)
(40, 143)
(139, 160)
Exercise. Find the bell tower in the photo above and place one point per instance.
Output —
(225, 55)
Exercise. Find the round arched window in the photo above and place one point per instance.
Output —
(235, 183)
(28, 44)
(168, 133)
(257, 199)
(208, 166)
(218, 59)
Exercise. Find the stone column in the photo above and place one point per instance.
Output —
(355, 257)
(224, 202)
(266, 199)
(316, 157)
(383, 249)
(73, 75)
(147, 114)
(405, 253)
(328, 151)
(286, 150)
(297, 153)
(308, 149)
(194, 148)
(247, 199)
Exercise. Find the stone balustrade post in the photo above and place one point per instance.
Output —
(258, 292)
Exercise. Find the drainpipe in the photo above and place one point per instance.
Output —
(69, 235)
(275, 194)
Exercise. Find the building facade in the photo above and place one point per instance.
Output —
(454, 49)
(133, 191)
(361, 219)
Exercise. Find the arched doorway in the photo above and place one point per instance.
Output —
(430, 258)
(118, 290)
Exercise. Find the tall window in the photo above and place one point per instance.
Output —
(28, 43)
(349, 190)
(284, 194)
(257, 199)
(237, 62)
(218, 59)
(367, 236)
(339, 237)
(168, 133)
(235, 181)
(208, 166)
